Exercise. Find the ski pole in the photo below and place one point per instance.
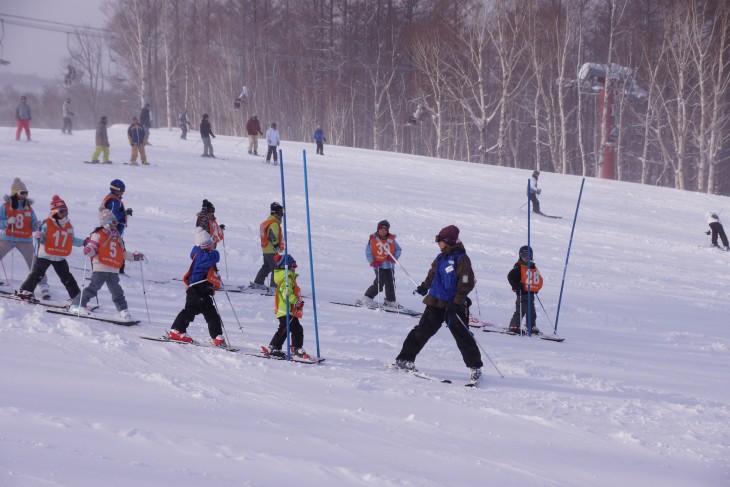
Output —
(83, 284)
(240, 327)
(225, 256)
(144, 293)
(223, 328)
(401, 266)
(480, 345)
(543, 308)
(4, 271)
(479, 306)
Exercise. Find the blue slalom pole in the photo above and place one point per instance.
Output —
(311, 260)
(529, 260)
(567, 256)
(286, 258)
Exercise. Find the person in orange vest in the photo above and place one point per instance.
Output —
(379, 251)
(271, 234)
(203, 281)
(18, 221)
(55, 241)
(205, 219)
(524, 276)
(106, 249)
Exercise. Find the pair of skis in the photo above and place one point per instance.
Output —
(425, 376)
(403, 311)
(488, 327)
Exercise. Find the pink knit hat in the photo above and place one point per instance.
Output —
(57, 204)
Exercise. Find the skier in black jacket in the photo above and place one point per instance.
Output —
(521, 279)
(206, 132)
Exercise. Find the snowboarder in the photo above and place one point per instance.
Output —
(18, 221)
(23, 118)
(205, 220)
(145, 119)
(55, 239)
(272, 243)
(102, 143)
(183, 123)
(206, 132)
(319, 139)
(288, 297)
(524, 277)
(67, 115)
(273, 139)
(534, 191)
(105, 248)
(202, 280)
(253, 129)
(136, 136)
(445, 288)
(716, 228)
(380, 249)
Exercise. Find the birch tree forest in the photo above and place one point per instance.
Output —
(497, 80)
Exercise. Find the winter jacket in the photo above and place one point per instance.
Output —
(135, 134)
(514, 277)
(319, 136)
(295, 294)
(450, 279)
(76, 242)
(533, 186)
(271, 234)
(712, 217)
(22, 111)
(369, 252)
(114, 204)
(205, 129)
(253, 127)
(144, 118)
(66, 110)
(95, 247)
(102, 138)
(16, 204)
(203, 260)
(272, 137)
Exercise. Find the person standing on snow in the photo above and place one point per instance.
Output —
(271, 235)
(202, 280)
(183, 123)
(253, 129)
(273, 139)
(113, 203)
(319, 139)
(18, 221)
(716, 229)
(534, 191)
(206, 132)
(445, 288)
(23, 118)
(145, 119)
(206, 221)
(102, 143)
(136, 136)
(67, 115)
(55, 241)
(379, 251)
(526, 282)
(105, 248)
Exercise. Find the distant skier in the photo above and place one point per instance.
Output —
(271, 235)
(534, 191)
(183, 123)
(102, 143)
(206, 132)
(253, 129)
(202, 280)
(379, 248)
(70, 76)
(716, 229)
(67, 116)
(273, 139)
(55, 239)
(145, 119)
(23, 118)
(524, 276)
(319, 139)
(136, 136)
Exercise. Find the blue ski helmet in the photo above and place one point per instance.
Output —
(117, 185)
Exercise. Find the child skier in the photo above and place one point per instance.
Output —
(106, 249)
(17, 223)
(716, 229)
(203, 281)
(271, 234)
(205, 219)
(379, 251)
(524, 277)
(288, 296)
(55, 241)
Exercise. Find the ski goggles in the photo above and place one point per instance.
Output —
(22, 193)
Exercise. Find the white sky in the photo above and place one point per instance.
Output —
(34, 51)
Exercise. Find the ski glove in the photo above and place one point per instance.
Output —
(375, 263)
(87, 250)
(11, 220)
(38, 234)
(222, 227)
(138, 256)
(539, 191)
(421, 290)
(129, 211)
(708, 232)
(299, 305)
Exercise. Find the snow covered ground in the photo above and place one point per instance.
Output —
(636, 395)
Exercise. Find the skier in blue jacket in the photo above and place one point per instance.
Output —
(319, 139)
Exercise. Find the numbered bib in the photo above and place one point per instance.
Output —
(22, 228)
(59, 240)
(111, 251)
(530, 278)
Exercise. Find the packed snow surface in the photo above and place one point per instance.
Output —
(637, 394)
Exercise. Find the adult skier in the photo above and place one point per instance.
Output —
(102, 143)
(136, 136)
(534, 191)
(183, 123)
(145, 119)
(445, 288)
(23, 118)
(273, 139)
(524, 277)
(319, 139)
(716, 229)
(206, 132)
(67, 116)
(253, 129)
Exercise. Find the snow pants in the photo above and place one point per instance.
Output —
(272, 150)
(138, 148)
(266, 268)
(297, 333)
(98, 279)
(383, 279)
(184, 128)
(23, 124)
(39, 272)
(25, 249)
(320, 147)
(430, 322)
(101, 149)
(521, 310)
(199, 299)
(207, 148)
(535, 203)
(253, 144)
(718, 230)
(67, 125)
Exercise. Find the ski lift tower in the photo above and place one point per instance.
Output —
(605, 79)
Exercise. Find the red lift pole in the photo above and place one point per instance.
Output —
(607, 95)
